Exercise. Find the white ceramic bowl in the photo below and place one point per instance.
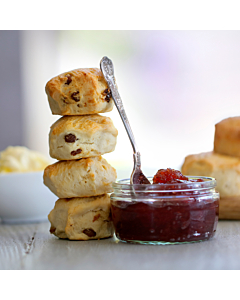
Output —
(24, 198)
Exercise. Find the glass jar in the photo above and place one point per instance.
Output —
(165, 213)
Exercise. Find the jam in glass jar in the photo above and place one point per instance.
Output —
(172, 213)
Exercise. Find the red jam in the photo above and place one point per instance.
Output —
(174, 209)
(168, 176)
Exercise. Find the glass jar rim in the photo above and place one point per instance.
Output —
(207, 183)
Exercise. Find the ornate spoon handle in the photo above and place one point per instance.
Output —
(107, 69)
(108, 72)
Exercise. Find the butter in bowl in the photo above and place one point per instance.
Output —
(23, 196)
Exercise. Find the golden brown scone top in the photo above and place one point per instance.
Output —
(203, 164)
(227, 137)
(231, 122)
(78, 77)
(86, 123)
(82, 163)
(79, 92)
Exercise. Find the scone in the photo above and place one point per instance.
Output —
(227, 137)
(79, 92)
(226, 170)
(74, 137)
(82, 218)
(85, 177)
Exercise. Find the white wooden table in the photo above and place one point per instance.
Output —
(31, 246)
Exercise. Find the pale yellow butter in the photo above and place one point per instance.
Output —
(21, 159)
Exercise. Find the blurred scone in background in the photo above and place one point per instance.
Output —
(223, 163)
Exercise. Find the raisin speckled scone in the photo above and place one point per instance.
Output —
(79, 92)
(82, 218)
(85, 177)
(227, 137)
(73, 137)
(225, 169)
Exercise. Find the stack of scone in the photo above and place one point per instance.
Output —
(81, 178)
(223, 163)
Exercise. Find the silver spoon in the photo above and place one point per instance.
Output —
(137, 176)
